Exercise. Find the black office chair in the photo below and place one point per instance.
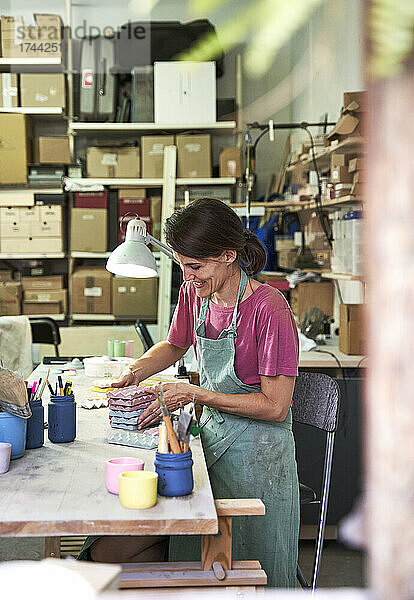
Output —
(143, 334)
(45, 331)
(316, 401)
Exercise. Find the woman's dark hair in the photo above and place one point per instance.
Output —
(207, 227)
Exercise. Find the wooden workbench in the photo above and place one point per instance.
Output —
(319, 359)
(59, 489)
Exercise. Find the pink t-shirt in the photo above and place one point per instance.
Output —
(267, 341)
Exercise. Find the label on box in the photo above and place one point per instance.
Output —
(96, 292)
(110, 159)
(122, 290)
(157, 149)
(87, 217)
(193, 147)
(41, 97)
(132, 289)
(43, 297)
(87, 78)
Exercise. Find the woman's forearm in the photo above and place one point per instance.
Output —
(271, 406)
(157, 358)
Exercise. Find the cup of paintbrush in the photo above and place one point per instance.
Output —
(172, 438)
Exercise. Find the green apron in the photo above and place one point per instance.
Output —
(246, 458)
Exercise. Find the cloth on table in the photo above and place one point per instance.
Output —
(16, 345)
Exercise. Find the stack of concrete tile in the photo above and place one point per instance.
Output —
(127, 404)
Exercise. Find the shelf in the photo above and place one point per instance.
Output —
(31, 61)
(60, 317)
(28, 188)
(342, 276)
(218, 126)
(337, 202)
(33, 110)
(88, 317)
(32, 255)
(355, 144)
(90, 254)
(118, 181)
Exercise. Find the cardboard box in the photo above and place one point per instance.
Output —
(152, 151)
(41, 41)
(230, 162)
(284, 243)
(52, 150)
(323, 257)
(31, 245)
(91, 200)
(287, 258)
(135, 298)
(112, 162)
(44, 284)
(10, 296)
(41, 308)
(355, 164)
(90, 292)
(193, 155)
(341, 174)
(58, 297)
(132, 201)
(338, 160)
(6, 275)
(88, 230)
(308, 294)
(16, 197)
(15, 147)
(156, 216)
(8, 90)
(351, 330)
(42, 89)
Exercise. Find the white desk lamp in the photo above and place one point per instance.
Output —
(133, 258)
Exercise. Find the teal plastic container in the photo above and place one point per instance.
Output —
(13, 430)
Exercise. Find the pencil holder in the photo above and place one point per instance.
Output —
(175, 473)
(62, 419)
(35, 425)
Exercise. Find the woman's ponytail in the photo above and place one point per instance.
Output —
(252, 256)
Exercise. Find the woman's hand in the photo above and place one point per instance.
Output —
(127, 378)
(175, 395)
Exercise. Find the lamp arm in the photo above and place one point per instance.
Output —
(151, 240)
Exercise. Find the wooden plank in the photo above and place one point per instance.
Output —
(161, 579)
(237, 507)
(59, 489)
(250, 565)
(217, 548)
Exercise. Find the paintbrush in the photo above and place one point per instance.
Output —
(39, 390)
(175, 446)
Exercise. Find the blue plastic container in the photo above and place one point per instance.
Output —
(62, 419)
(13, 430)
(175, 473)
(35, 425)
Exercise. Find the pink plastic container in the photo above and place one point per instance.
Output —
(115, 466)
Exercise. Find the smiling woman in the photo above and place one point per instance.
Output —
(246, 343)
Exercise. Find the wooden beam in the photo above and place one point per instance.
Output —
(217, 548)
(160, 578)
(237, 507)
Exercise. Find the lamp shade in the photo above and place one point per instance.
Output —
(133, 258)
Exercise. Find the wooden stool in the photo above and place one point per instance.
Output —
(216, 567)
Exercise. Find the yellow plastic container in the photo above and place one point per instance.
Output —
(138, 489)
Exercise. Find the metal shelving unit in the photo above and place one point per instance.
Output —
(34, 110)
(149, 127)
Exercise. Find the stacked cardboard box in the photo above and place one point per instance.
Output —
(91, 291)
(113, 161)
(8, 90)
(356, 169)
(41, 41)
(152, 153)
(351, 330)
(36, 229)
(135, 298)
(15, 148)
(88, 230)
(230, 162)
(51, 150)
(10, 297)
(193, 155)
(309, 294)
(317, 242)
(135, 201)
(44, 295)
(350, 122)
(42, 89)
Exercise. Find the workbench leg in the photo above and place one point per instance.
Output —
(217, 548)
(52, 547)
